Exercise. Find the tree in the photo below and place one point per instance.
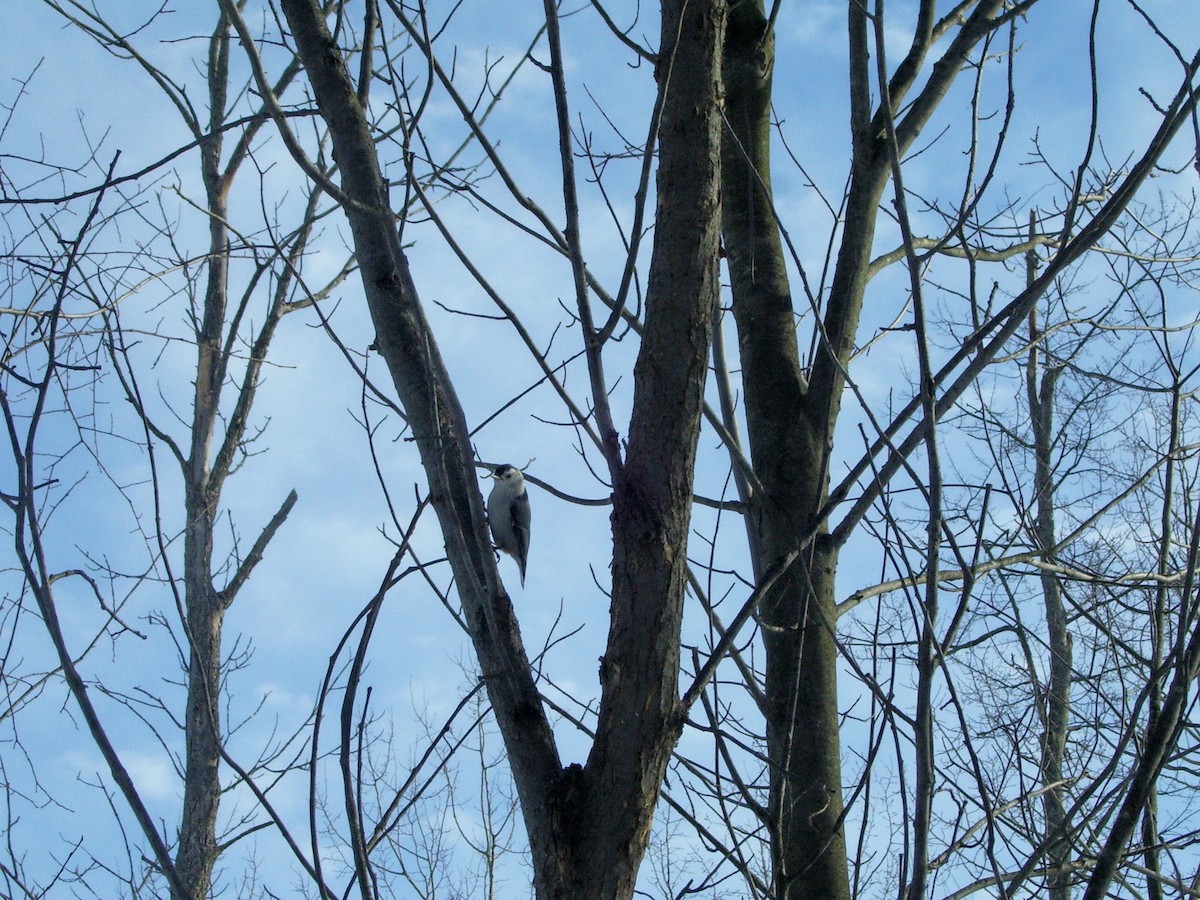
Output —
(587, 826)
(1096, 375)
(231, 326)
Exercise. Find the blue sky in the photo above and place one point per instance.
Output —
(327, 560)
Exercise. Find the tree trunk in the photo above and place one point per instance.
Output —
(791, 420)
(789, 432)
(1040, 392)
(197, 852)
(639, 719)
(205, 609)
(588, 826)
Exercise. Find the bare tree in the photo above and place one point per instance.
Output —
(587, 826)
(1089, 456)
(230, 324)
(792, 408)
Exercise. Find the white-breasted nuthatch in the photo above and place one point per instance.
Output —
(508, 514)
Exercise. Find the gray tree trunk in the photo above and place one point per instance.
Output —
(197, 852)
(1040, 392)
(217, 437)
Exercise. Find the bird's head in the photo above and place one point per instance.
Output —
(508, 474)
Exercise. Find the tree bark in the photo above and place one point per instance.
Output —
(640, 720)
(588, 826)
(1040, 392)
(197, 852)
(440, 433)
(788, 429)
(791, 419)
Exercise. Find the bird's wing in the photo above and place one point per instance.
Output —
(520, 522)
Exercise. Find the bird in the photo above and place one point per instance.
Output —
(508, 514)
